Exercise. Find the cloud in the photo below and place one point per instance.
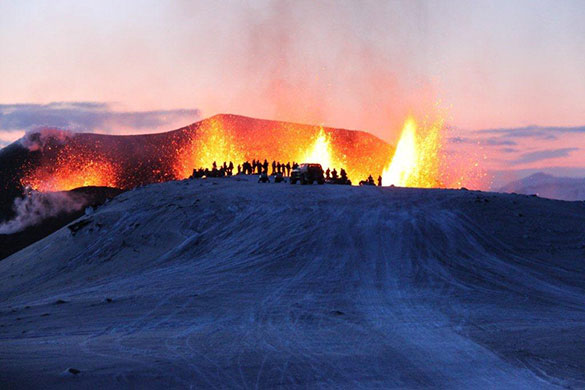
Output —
(486, 141)
(544, 155)
(90, 117)
(38, 139)
(533, 131)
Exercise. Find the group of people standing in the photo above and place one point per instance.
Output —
(223, 171)
(258, 167)
(246, 168)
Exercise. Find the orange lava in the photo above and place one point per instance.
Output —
(72, 170)
(415, 162)
(421, 161)
(208, 144)
(239, 139)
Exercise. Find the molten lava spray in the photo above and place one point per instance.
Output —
(321, 152)
(416, 161)
(212, 143)
(125, 162)
(72, 169)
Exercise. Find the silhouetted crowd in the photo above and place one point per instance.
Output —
(258, 167)
(223, 171)
(278, 169)
(246, 168)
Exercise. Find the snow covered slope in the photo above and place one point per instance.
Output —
(229, 283)
(548, 186)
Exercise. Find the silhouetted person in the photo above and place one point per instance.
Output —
(265, 166)
(343, 174)
(379, 181)
(273, 167)
(334, 174)
(288, 168)
(328, 174)
(214, 165)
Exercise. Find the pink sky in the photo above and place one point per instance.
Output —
(362, 65)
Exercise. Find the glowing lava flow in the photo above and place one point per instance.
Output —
(213, 144)
(416, 160)
(321, 152)
(71, 172)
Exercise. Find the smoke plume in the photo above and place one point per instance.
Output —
(37, 140)
(35, 207)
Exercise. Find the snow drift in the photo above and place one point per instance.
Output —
(229, 283)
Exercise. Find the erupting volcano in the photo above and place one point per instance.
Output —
(129, 161)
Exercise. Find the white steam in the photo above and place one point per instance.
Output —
(38, 139)
(35, 207)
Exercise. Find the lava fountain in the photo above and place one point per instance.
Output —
(72, 169)
(210, 143)
(321, 152)
(416, 161)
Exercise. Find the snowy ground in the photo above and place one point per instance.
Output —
(229, 283)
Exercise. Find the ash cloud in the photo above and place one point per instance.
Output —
(297, 62)
(35, 207)
(90, 117)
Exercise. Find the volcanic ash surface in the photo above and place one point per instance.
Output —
(229, 283)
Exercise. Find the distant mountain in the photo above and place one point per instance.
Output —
(548, 186)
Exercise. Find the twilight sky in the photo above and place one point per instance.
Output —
(508, 75)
